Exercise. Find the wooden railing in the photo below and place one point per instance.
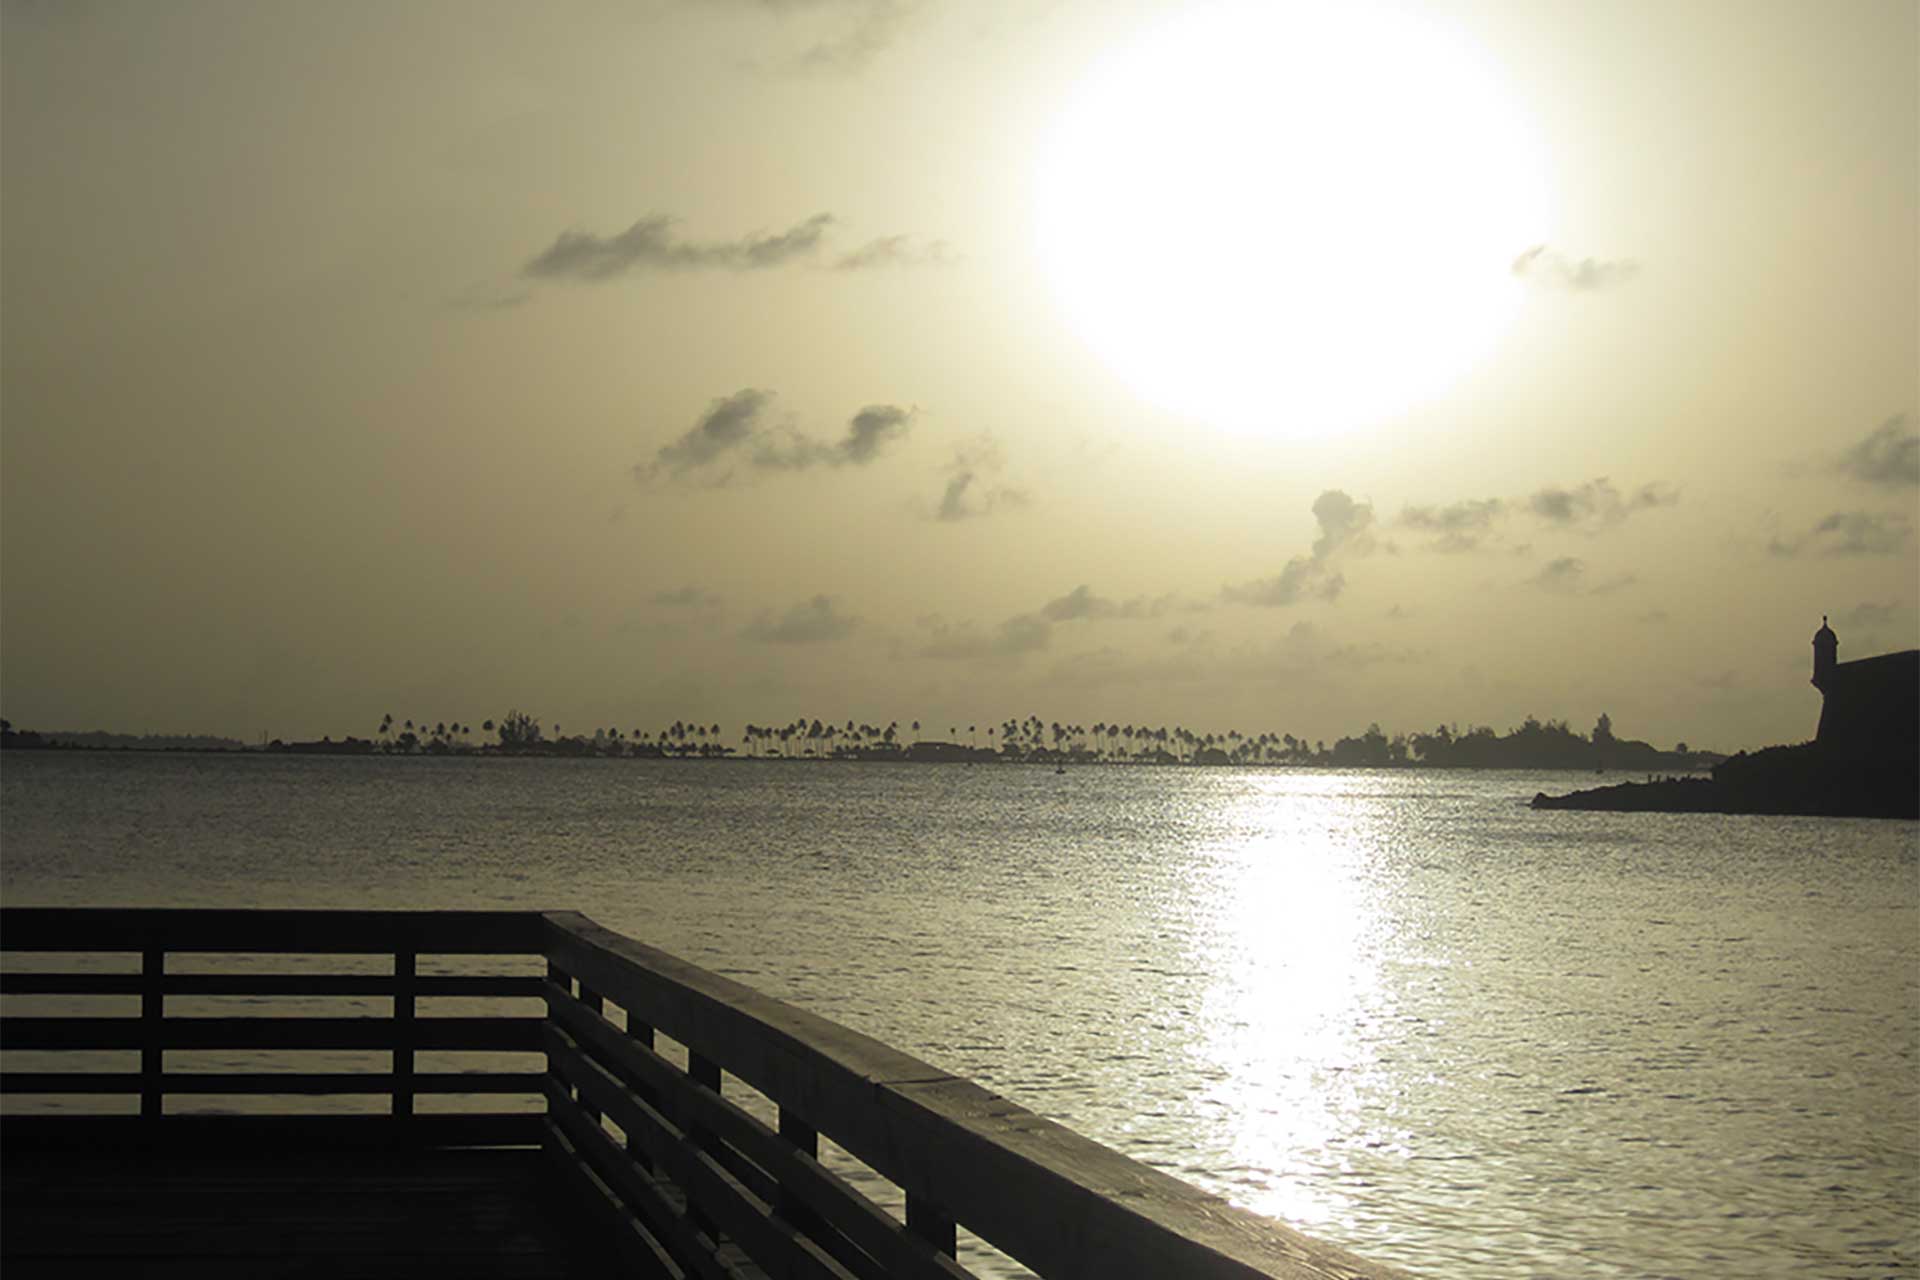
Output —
(266, 1016)
(686, 1109)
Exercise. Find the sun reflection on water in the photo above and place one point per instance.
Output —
(1292, 1030)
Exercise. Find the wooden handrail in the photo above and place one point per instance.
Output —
(1058, 1202)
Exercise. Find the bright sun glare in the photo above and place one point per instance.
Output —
(1289, 219)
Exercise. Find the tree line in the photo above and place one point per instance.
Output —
(1552, 744)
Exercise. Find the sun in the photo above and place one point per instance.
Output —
(1289, 219)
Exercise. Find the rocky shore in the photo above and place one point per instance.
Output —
(1804, 779)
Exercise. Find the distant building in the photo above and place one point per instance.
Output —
(1869, 707)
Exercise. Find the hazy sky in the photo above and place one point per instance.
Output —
(754, 359)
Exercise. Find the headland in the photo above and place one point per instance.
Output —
(1863, 762)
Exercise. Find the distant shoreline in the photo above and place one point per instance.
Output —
(1552, 745)
(905, 757)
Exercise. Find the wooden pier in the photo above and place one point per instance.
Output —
(612, 1110)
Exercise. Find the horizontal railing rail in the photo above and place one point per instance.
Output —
(703, 1121)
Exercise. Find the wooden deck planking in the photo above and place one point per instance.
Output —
(480, 1213)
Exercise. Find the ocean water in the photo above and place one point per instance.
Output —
(1400, 1011)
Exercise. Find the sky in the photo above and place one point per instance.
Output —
(1225, 366)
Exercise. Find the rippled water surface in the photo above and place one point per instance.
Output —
(1399, 1010)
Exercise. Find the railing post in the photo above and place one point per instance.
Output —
(806, 1139)
(591, 998)
(153, 1009)
(562, 979)
(933, 1224)
(706, 1073)
(405, 964)
(640, 1033)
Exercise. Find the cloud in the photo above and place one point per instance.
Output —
(895, 251)
(1564, 576)
(814, 621)
(1889, 456)
(728, 423)
(1474, 524)
(1567, 576)
(871, 29)
(1550, 268)
(1344, 526)
(870, 429)
(1343, 523)
(1850, 533)
(1022, 634)
(1081, 604)
(650, 244)
(1597, 504)
(735, 427)
(1300, 579)
(1461, 526)
(971, 491)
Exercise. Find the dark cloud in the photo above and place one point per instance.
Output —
(869, 429)
(650, 244)
(1889, 456)
(1550, 268)
(1475, 523)
(735, 427)
(972, 489)
(1597, 504)
(953, 500)
(728, 424)
(1461, 526)
(1344, 526)
(1850, 533)
(1080, 603)
(895, 251)
(814, 621)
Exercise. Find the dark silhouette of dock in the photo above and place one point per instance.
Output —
(492, 1214)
